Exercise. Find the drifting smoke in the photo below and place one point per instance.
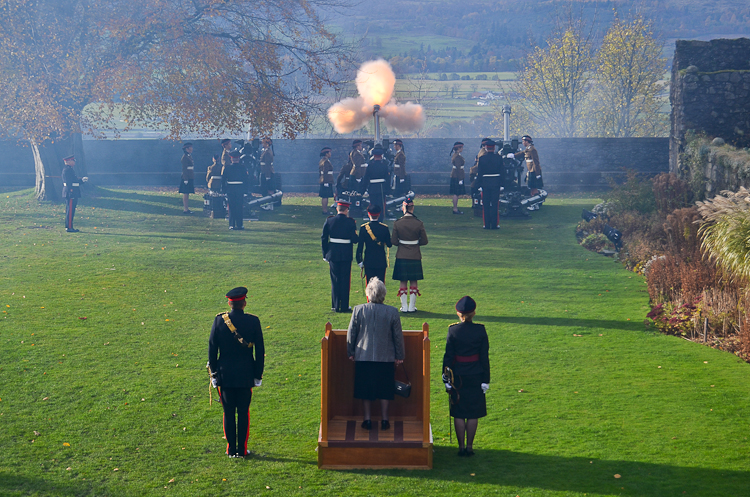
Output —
(375, 84)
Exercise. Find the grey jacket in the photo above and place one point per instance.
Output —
(375, 334)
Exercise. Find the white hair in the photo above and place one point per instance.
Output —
(375, 291)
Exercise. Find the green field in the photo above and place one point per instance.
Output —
(104, 390)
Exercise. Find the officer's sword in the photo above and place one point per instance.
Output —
(448, 373)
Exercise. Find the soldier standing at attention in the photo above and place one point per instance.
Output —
(489, 170)
(266, 167)
(337, 240)
(476, 195)
(399, 168)
(226, 151)
(359, 163)
(235, 180)
(457, 175)
(326, 178)
(375, 179)
(234, 370)
(71, 191)
(374, 237)
(213, 175)
(408, 235)
(187, 185)
(534, 173)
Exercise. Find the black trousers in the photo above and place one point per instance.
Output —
(377, 197)
(236, 400)
(374, 272)
(70, 211)
(490, 213)
(235, 201)
(341, 278)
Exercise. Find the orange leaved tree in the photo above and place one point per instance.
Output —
(73, 67)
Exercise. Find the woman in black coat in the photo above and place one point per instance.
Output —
(466, 373)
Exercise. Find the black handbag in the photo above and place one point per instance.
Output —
(403, 389)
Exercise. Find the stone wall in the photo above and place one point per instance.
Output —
(710, 94)
(567, 164)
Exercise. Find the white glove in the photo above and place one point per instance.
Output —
(485, 387)
(361, 264)
(359, 180)
(85, 179)
(185, 182)
(461, 182)
(401, 180)
(257, 382)
(448, 386)
(479, 189)
(214, 382)
(510, 156)
(539, 177)
(325, 184)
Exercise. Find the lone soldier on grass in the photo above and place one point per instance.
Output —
(326, 178)
(337, 241)
(71, 191)
(374, 237)
(187, 180)
(234, 370)
(408, 235)
(235, 180)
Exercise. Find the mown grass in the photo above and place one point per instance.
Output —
(126, 387)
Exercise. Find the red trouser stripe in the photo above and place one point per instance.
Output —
(247, 435)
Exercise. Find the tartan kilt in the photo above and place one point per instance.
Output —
(326, 191)
(457, 189)
(532, 182)
(187, 186)
(407, 270)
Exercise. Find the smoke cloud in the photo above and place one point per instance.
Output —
(375, 84)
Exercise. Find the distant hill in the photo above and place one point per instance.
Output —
(492, 35)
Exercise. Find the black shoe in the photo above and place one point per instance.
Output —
(457, 212)
(462, 453)
(187, 212)
(367, 424)
(385, 424)
(71, 230)
(469, 452)
(240, 228)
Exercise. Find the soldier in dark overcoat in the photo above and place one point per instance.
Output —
(375, 180)
(489, 179)
(337, 241)
(374, 238)
(235, 180)
(71, 191)
(236, 358)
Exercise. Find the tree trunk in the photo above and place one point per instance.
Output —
(48, 164)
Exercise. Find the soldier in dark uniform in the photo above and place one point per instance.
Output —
(187, 179)
(71, 191)
(489, 179)
(399, 169)
(234, 370)
(213, 175)
(337, 240)
(374, 237)
(266, 167)
(375, 180)
(226, 152)
(476, 195)
(457, 175)
(326, 178)
(466, 373)
(235, 180)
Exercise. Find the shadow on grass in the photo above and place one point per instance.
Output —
(540, 321)
(11, 484)
(583, 475)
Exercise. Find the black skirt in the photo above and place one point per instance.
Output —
(457, 189)
(186, 186)
(374, 380)
(407, 270)
(470, 403)
(325, 191)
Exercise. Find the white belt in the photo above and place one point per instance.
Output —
(408, 242)
(72, 184)
(397, 165)
(262, 163)
(363, 165)
(339, 240)
(454, 167)
(529, 160)
(380, 180)
(215, 177)
(191, 167)
(489, 175)
(234, 182)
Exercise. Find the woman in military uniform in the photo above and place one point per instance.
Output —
(403, 185)
(326, 178)
(187, 179)
(466, 373)
(457, 175)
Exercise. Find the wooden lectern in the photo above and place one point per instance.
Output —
(342, 442)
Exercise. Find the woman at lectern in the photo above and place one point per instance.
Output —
(466, 373)
(375, 343)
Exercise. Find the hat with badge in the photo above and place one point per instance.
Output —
(343, 203)
(70, 158)
(237, 294)
(235, 156)
(466, 305)
(527, 138)
(398, 141)
(356, 142)
(324, 151)
(408, 201)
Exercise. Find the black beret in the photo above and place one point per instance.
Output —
(225, 140)
(356, 142)
(527, 138)
(237, 293)
(466, 305)
(457, 144)
(186, 145)
(374, 209)
(485, 140)
(489, 143)
(398, 141)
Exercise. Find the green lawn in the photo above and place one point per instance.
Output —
(117, 403)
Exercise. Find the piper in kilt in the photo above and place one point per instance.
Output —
(408, 235)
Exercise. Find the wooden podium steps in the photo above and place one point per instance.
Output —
(347, 431)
